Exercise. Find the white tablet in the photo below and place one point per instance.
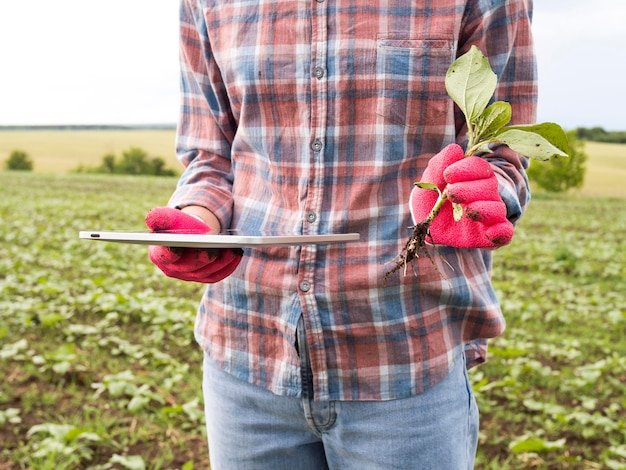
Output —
(187, 240)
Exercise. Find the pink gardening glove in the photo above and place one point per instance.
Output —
(472, 183)
(189, 264)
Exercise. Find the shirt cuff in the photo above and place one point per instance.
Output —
(218, 201)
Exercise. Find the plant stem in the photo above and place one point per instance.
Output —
(471, 149)
(443, 197)
(471, 136)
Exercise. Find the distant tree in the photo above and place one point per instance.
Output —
(561, 174)
(108, 164)
(159, 169)
(19, 160)
(593, 133)
(134, 161)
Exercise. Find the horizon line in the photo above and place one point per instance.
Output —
(161, 125)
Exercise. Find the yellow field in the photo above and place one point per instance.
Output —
(606, 170)
(60, 151)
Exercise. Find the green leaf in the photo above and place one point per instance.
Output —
(76, 434)
(10, 415)
(193, 410)
(457, 211)
(188, 465)
(535, 444)
(529, 144)
(56, 431)
(13, 349)
(62, 368)
(550, 131)
(130, 462)
(495, 117)
(429, 186)
(137, 403)
(65, 352)
(471, 83)
(51, 319)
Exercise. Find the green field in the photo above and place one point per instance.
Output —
(96, 348)
(55, 151)
(100, 369)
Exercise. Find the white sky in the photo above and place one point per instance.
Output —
(116, 62)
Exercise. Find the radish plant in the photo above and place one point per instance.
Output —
(471, 83)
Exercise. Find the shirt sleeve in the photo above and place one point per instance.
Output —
(206, 126)
(501, 29)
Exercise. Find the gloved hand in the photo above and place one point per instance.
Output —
(472, 183)
(189, 264)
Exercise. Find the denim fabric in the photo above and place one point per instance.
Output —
(251, 428)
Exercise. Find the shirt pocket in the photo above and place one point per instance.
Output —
(411, 79)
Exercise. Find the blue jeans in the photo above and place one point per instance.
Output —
(250, 428)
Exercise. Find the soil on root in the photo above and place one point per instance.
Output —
(412, 249)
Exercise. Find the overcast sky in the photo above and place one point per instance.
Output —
(116, 62)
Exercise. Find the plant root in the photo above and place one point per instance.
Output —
(412, 249)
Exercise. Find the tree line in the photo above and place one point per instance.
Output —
(133, 161)
(86, 127)
(599, 134)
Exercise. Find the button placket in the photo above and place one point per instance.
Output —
(312, 205)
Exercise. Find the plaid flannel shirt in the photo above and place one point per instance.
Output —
(317, 116)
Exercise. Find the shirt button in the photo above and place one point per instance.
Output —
(316, 146)
(318, 72)
(305, 286)
(311, 217)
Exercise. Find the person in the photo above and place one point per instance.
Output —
(317, 117)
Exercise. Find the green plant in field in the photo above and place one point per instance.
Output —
(10, 416)
(63, 444)
(19, 160)
(471, 83)
(15, 351)
(535, 444)
(60, 360)
(560, 174)
(122, 385)
(133, 462)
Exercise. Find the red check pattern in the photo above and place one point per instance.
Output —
(317, 116)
